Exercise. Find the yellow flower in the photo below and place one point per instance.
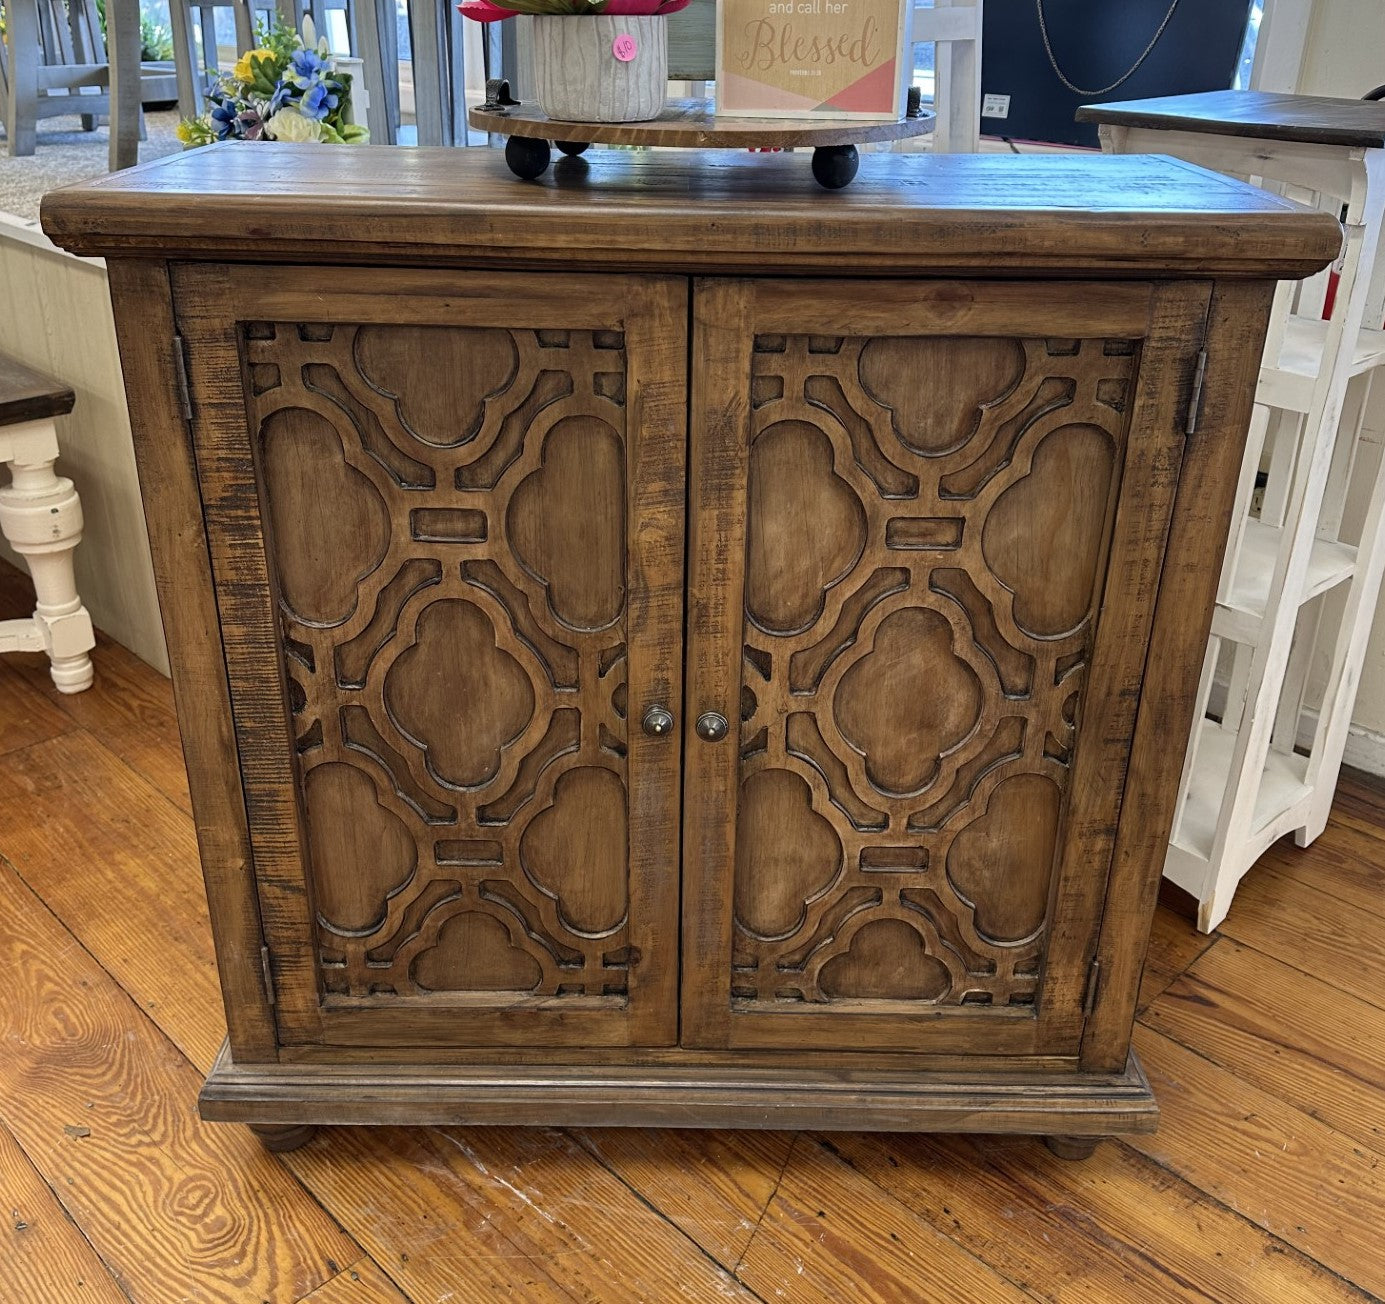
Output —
(185, 132)
(244, 70)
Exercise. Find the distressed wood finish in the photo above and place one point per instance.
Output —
(884, 854)
(1264, 115)
(1094, 1105)
(25, 395)
(1211, 460)
(693, 124)
(470, 580)
(931, 521)
(142, 300)
(902, 216)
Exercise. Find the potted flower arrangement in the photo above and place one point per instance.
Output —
(594, 60)
(288, 88)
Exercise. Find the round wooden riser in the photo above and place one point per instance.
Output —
(690, 124)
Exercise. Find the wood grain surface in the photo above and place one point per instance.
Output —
(182, 570)
(831, 833)
(522, 869)
(904, 214)
(1278, 1207)
(44, 1254)
(1302, 1180)
(26, 395)
(99, 1101)
(1264, 115)
(692, 124)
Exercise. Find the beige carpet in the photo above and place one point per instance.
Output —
(66, 154)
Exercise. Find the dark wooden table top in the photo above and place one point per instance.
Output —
(687, 211)
(27, 395)
(1310, 119)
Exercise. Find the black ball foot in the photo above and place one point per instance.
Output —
(527, 158)
(572, 148)
(835, 166)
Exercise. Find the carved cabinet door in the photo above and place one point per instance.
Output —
(446, 516)
(927, 523)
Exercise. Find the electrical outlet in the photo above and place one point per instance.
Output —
(995, 106)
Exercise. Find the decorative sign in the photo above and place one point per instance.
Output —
(813, 58)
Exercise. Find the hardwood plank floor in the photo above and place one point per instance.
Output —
(1265, 1043)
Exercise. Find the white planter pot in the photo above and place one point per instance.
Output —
(579, 75)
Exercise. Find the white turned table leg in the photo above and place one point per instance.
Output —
(41, 518)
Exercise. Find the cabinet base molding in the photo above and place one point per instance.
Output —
(286, 1097)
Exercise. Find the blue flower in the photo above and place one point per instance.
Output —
(226, 124)
(318, 101)
(306, 67)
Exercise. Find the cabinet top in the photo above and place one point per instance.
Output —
(1047, 215)
(1264, 115)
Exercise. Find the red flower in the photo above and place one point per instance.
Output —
(482, 11)
(494, 11)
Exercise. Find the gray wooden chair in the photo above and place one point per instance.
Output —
(439, 34)
(53, 63)
(441, 41)
(197, 63)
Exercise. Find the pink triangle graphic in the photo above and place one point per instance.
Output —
(745, 94)
(873, 93)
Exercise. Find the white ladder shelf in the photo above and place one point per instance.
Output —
(1303, 564)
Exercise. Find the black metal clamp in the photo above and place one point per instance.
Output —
(498, 97)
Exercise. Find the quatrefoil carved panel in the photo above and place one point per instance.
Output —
(926, 534)
(446, 514)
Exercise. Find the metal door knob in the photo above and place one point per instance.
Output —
(712, 726)
(657, 721)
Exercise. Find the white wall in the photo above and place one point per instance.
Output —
(1345, 52)
(55, 316)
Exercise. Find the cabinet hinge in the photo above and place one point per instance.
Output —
(180, 374)
(1093, 986)
(1195, 398)
(267, 968)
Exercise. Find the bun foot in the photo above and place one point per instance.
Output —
(527, 158)
(1072, 1147)
(834, 166)
(281, 1137)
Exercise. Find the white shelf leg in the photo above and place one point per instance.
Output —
(41, 518)
(1339, 696)
(1204, 690)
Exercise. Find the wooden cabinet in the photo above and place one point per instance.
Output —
(446, 517)
(627, 680)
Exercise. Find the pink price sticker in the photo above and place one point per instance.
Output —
(624, 47)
